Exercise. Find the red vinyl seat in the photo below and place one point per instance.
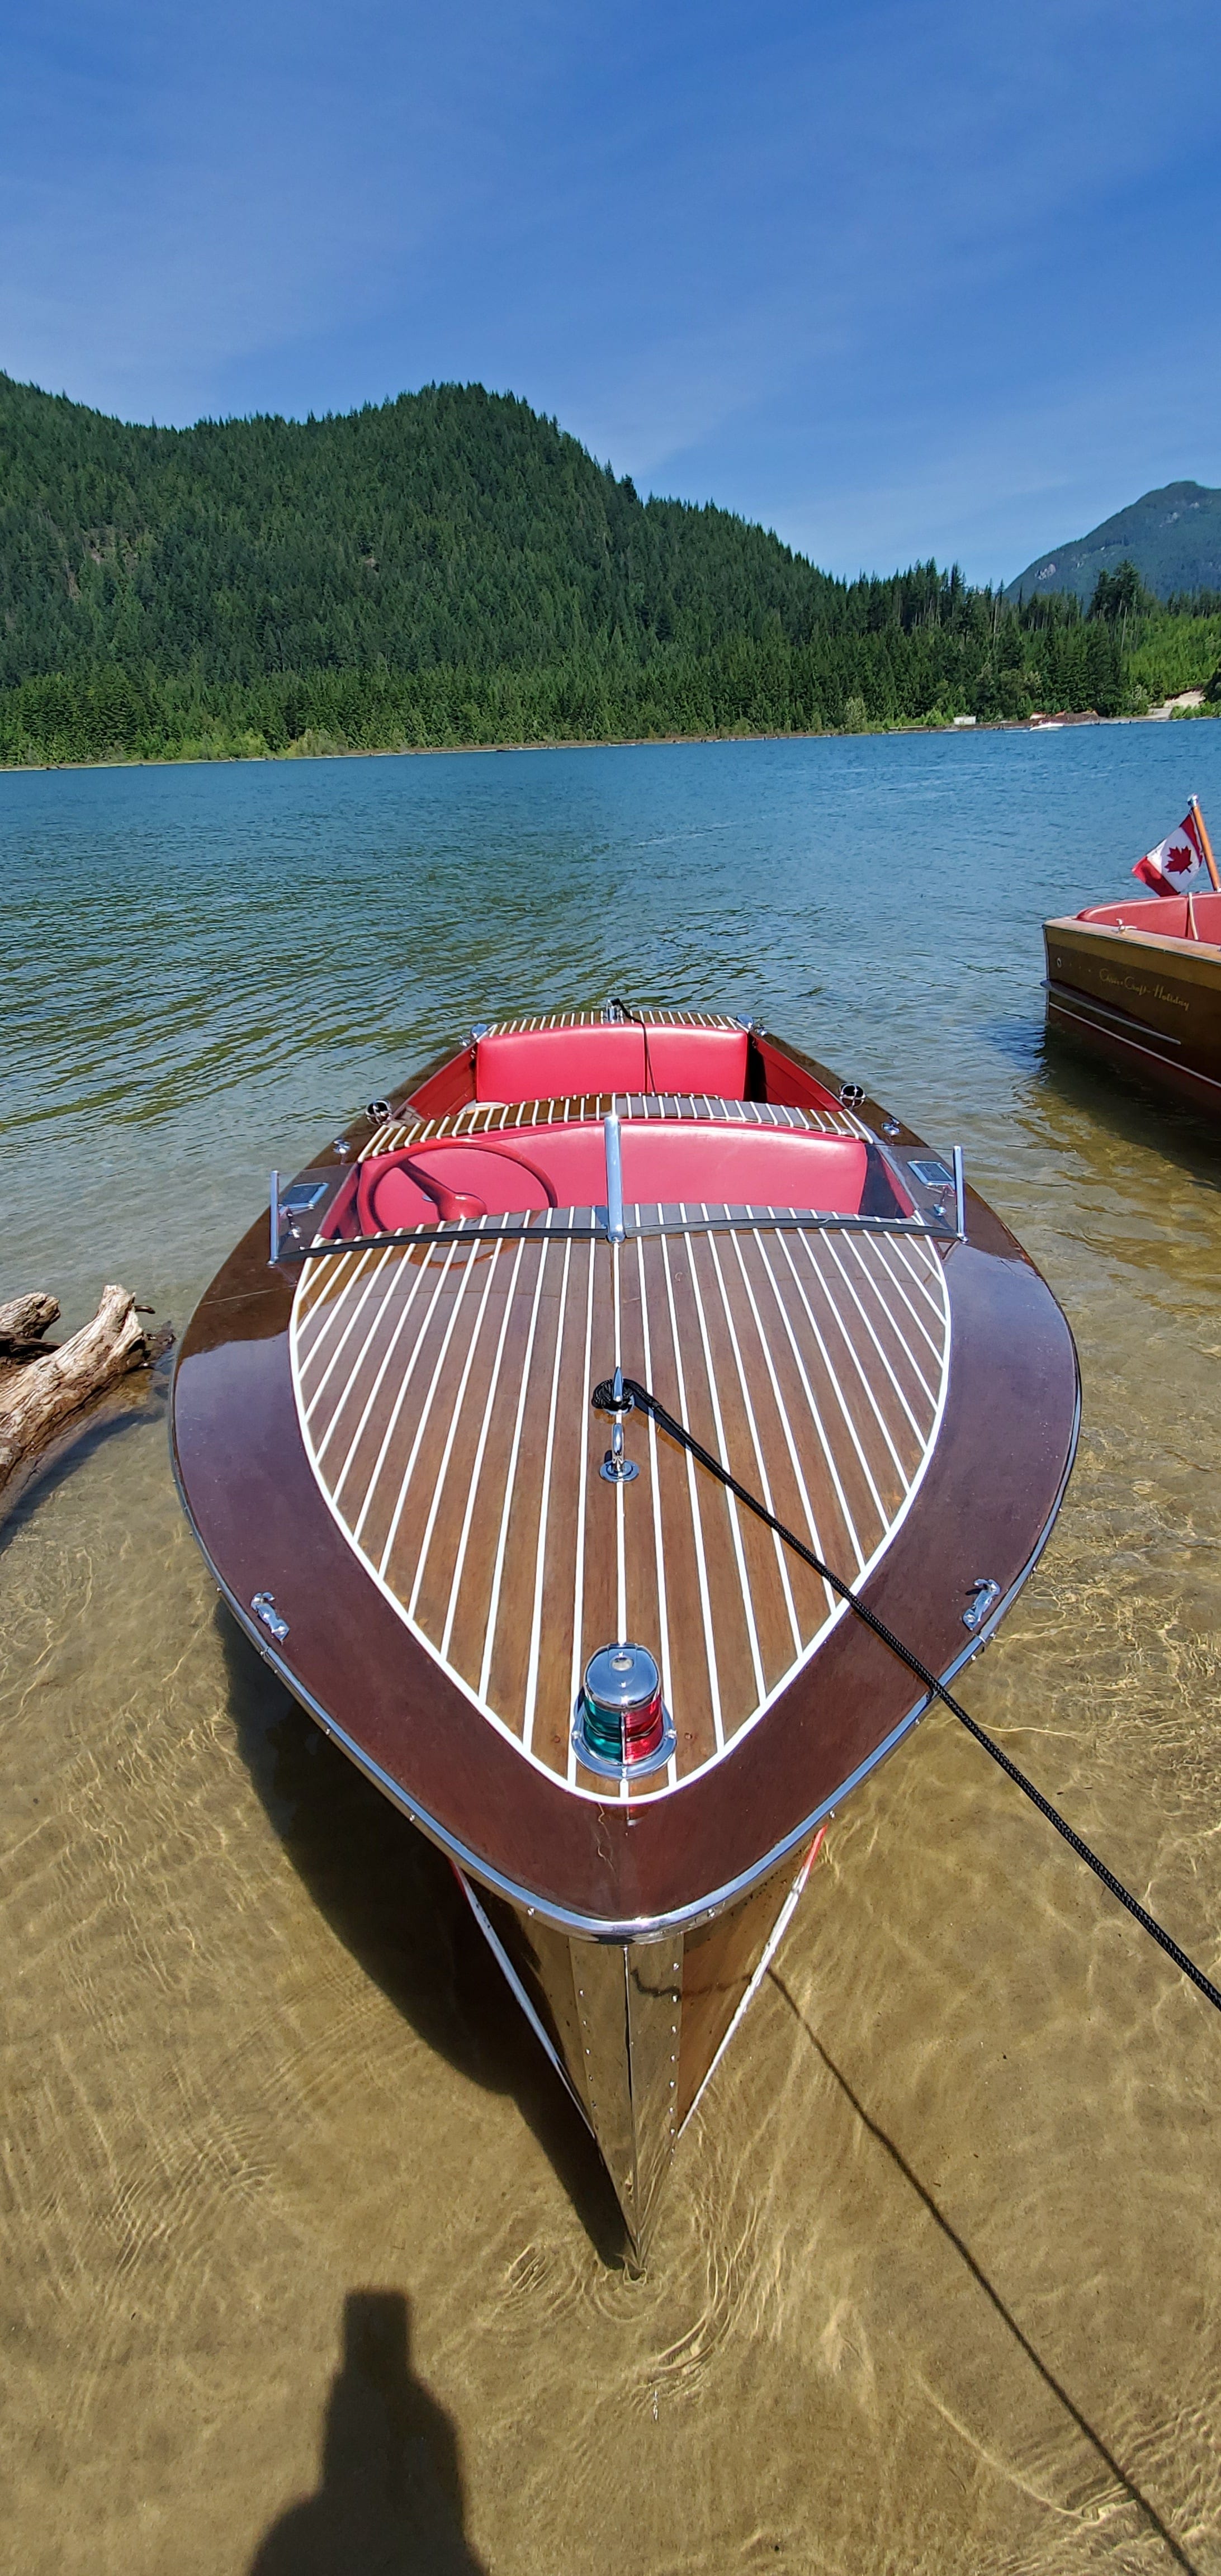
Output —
(559, 1064)
(708, 1062)
(568, 1064)
(668, 1161)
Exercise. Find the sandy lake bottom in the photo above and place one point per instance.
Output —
(308, 2270)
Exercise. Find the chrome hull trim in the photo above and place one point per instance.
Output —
(1075, 1010)
(1068, 997)
(516, 1988)
(772, 1944)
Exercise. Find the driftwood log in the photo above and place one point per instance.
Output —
(23, 1321)
(41, 1389)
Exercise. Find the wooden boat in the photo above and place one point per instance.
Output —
(1140, 983)
(619, 1703)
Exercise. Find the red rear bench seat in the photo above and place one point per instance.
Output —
(566, 1064)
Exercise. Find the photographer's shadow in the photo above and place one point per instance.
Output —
(390, 2500)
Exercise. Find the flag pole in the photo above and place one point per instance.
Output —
(1205, 844)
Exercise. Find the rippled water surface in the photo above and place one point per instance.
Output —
(306, 2266)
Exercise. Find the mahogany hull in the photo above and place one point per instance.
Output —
(632, 1918)
(1146, 1001)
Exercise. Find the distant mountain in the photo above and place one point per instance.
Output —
(1173, 537)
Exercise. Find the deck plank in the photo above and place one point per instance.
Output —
(444, 1396)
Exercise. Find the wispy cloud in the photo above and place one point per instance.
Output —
(896, 278)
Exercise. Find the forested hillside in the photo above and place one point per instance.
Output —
(451, 568)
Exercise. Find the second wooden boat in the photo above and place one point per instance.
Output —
(1140, 981)
(406, 1436)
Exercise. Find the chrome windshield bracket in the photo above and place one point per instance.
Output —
(614, 1178)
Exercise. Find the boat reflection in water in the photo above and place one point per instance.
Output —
(409, 1444)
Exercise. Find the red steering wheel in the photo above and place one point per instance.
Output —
(452, 1205)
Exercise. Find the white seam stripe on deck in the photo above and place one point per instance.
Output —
(421, 1426)
(849, 1346)
(331, 1317)
(540, 1552)
(732, 1504)
(829, 1242)
(832, 1374)
(892, 1320)
(663, 1615)
(400, 1399)
(442, 1469)
(821, 1430)
(421, 1272)
(578, 1607)
(900, 1247)
(782, 1566)
(693, 1497)
(879, 1253)
(510, 1480)
(782, 1411)
(477, 1468)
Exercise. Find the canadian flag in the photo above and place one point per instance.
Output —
(1177, 865)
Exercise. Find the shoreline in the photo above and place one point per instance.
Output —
(580, 742)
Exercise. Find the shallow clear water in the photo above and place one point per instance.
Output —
(306, 2266)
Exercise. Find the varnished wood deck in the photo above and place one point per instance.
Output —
(443, 1394)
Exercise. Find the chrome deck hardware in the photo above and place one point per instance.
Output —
(264, 1608)
(616, 1467)
(986, 1594)
(614, 1177)
(621, 1725)
(291, 1203)
(851, 1094)
(932, 1171)
(378, 1111)
(960, 1195)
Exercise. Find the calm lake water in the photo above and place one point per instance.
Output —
(307, 2267)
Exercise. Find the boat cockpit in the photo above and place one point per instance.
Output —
(647, 1114)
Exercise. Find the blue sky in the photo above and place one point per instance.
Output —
(898, 280)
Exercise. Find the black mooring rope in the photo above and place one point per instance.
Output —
(606, 1400)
